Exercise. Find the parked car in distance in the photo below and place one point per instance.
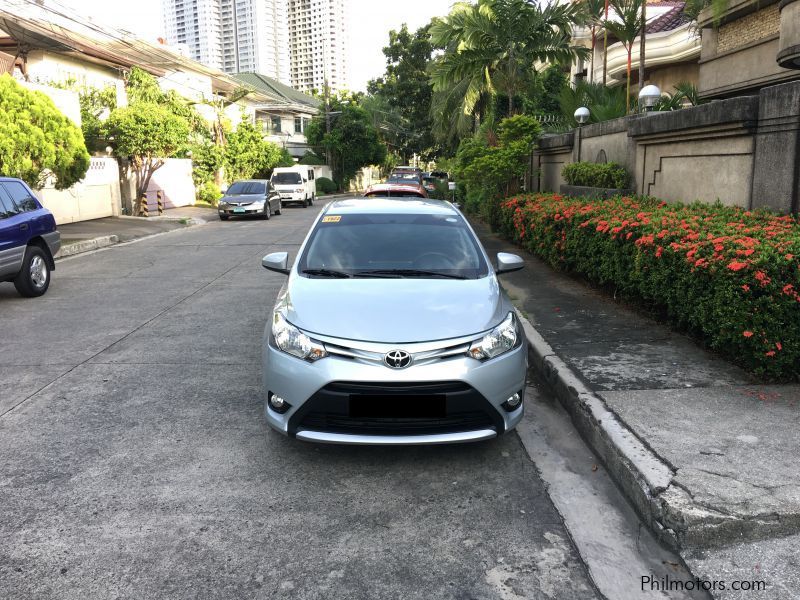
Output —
(405, 178)
(250, 197)
(29, 239)
(393, 329)
(395, 190)
(429, 183)
(406, 169)
(295, 184)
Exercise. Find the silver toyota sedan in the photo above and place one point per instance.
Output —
(392, 329)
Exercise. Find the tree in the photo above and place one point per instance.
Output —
(353, 142)
(95, 105)
(625, 30)
(595, 10)
(146, 133)
(406, 91)
(604, 103)
(37, 141)
(248, 153)
(491, 47)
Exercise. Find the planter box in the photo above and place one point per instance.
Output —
(582, 191)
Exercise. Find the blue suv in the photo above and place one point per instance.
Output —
(28, 239)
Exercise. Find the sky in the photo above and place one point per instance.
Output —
(369, 33)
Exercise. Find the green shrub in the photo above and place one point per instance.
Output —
(309, 158)
(600, 175)
(728, 276)
(208, 193)
(325, 185)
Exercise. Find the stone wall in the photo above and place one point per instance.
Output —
(742, 151)
(740, 47)
(750, 28)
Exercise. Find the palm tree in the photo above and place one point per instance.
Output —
(594, 13)
(491, 47)
(625, 29)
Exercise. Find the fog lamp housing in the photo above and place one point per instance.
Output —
(278, 404)
(513, 402)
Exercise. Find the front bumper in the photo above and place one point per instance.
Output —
(238, 211)
(293, 196)
(319, 394)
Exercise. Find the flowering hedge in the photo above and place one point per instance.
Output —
(730, 276)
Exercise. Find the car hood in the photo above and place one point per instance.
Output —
(243, 198)
(393, 310)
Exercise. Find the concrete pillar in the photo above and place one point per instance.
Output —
(776, 176)
(789, 43)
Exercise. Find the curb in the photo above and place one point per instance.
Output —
(86, 246)
(645, 479)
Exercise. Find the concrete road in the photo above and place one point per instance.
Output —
(135, 463)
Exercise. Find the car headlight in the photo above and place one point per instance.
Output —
(291, 340)
(499, 340)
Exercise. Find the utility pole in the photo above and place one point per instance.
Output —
(641, 45)
(605, 47)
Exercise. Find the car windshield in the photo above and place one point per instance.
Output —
(241, 188)
(286, 178)
(404, 178)
(394, 193)
(393, 245)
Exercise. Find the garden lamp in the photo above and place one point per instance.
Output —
(581, 116)
(649, 97)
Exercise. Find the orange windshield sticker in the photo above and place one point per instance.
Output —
(332, 219)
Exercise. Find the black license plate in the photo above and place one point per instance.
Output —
(432, 406)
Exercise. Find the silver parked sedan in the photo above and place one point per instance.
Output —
(392, 329)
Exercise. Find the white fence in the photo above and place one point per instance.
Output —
(97, 195)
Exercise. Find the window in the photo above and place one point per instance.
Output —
(286, 178)
(7, 208)
(298, 125)
(21, 196)
(242, 188)
(276, 124)
(360, 243)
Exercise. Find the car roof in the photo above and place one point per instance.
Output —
(380, 205)
(251, 181)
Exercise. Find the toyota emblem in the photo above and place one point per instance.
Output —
(397, 359)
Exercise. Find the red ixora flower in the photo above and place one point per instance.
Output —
(737, 266)
(746, 287)
(778, 345)
(771, 353)
(747, 334)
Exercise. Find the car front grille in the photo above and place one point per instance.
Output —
(331, 409)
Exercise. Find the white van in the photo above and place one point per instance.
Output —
(295, 184)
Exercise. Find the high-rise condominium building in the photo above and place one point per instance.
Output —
(318, 41)
(233, 35)
(195, 25)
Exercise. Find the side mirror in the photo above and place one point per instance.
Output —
(305, 180)
(222, 190)
(506, 263)
(277, 261)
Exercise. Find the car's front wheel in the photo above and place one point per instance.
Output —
(267, 212)
(279, 210)
(223, 217)
(34, 278)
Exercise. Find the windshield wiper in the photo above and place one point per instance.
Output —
(326, 273)
(406, 273)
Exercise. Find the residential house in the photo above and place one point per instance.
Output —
(285, 115)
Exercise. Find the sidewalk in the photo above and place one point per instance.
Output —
(707, 456)
(85, 236)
